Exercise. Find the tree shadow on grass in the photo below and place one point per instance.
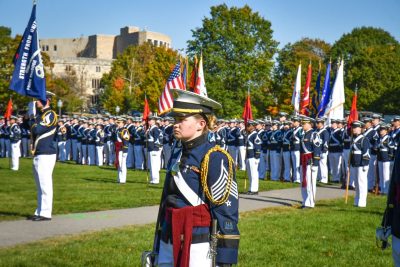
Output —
(268, 200)
(114, 181)
(14, 214)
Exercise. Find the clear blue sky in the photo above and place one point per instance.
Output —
(291, 19)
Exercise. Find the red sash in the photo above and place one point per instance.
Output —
(118, 146)
(183, 220)
(304, 159)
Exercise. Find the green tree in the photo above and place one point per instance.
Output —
(138, 70)
(305, 51)
(237, 48)
(372, 61)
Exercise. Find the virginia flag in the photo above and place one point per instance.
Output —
(200, 82)
(28, 76)
(326, 93)
(296, 91)
(336, 104)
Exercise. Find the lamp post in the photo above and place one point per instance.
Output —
(59, 105)
(117, 109)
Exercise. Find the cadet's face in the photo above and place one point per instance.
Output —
(188, 128)
(383, 132)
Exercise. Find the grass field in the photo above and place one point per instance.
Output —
(80, 188)
(332, 234)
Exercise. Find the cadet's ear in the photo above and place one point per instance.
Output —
(201, 124)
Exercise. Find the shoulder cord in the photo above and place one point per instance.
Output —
(204, 174)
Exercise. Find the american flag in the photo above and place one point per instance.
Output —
(174, 81)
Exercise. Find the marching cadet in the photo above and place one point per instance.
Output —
(61, 137)
(335, 150)
(168, 139)
(2, 142)
(99, 144)
(385, 157)
(359, 163)
(297, 134)
(68, 143)
(287, 133)
(25, 134)
(154, 145)
(233, 139)
(140, 139)
(44, 158)
(241, 146)
(109, 130)
(253, 151)
(130, 126)
(376, 121)
(221, 134)
(275, 141)
(372, 137)
(15, 141)
(346, 155)
(74, 141)
(200, 193)
(80, 131)
(310, 152)
(91, 140)
(121, 137)
(6, 134)
(396, 132)
(84, 141)
(264, 163)
(324, 135)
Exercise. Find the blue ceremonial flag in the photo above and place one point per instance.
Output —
(316, 95)
(28, 76)
(326, 93)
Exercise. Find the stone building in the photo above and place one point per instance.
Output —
(89, 57)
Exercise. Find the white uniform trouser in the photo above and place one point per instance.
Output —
(79, 152)
(198, 255)
(263, 165)
(286, 165)
(234, 152)
(2, 148)
(8, 148)
(396, 251)
(74, 148)
(384, 176)
(139, 158)
(130, 158)
(84, 154)
(68, 145)
(372, 172)
(24, 147)
(335, 162)
(323, 168)
(111, 152)
(15, 154)
(43, 166)
(61, 151)
(91, 155)
(275, 159)
(308, 193)
(242, 158)
(154, 166)
(252, 173)
(295, 165)
(361, 184)
(99, 155)
(167, 150)
(122, 167)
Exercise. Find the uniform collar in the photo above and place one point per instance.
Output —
(195, 142)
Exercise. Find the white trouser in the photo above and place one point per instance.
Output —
(242, 158)
(361, 184)
(371, 172)
(234, 152)
(130, 158)
(43, 166)
(252, 173)
(275, 159)
(286, 165)
(106, 153)
(111, 152)
(122, 167)
(198, 255)
(396, 251)
(154, 166)
(384, 176)
(84, 154)
(323, 168)
(296, 165)
(74, 148)
(167, 150)
(61, 151)
(79, 152)
(308, 192)
(99, 155)
(68, 144)
(24, 147)
(91, 155)
(15, 154)
(263, 165)
(8, 148)
(335, 162)
(2, 148)
(139, 159)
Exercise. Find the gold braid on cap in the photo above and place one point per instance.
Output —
(204, 174)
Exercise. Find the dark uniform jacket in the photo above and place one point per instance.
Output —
(324, 135)
(335, 144)
(43, 133)
(183, 188)
(154, 138)
(15, 133)
(140, 136)
(168, 137)
(297, 134)
(264, 137)
(275, 140)
(253, 149)
(359, 153)
(373, 138)
(311, 143)
(286, 139)
(385, 149)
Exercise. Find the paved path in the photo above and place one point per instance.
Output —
(24, 231)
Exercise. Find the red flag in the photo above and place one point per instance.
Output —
(247, 114)
(306, 94)
(353, 111)
(146, 109)
(193, 75)
(9, 110)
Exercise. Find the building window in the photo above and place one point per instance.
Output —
(94, 99)
(149, 41)
(68, 68)
(161, 43)
(98, 69)
(95, 83)
(155, 43)
(55, 47)
(47, 48)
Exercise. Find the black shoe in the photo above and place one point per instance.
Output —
(32, 217)
(40, 218)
